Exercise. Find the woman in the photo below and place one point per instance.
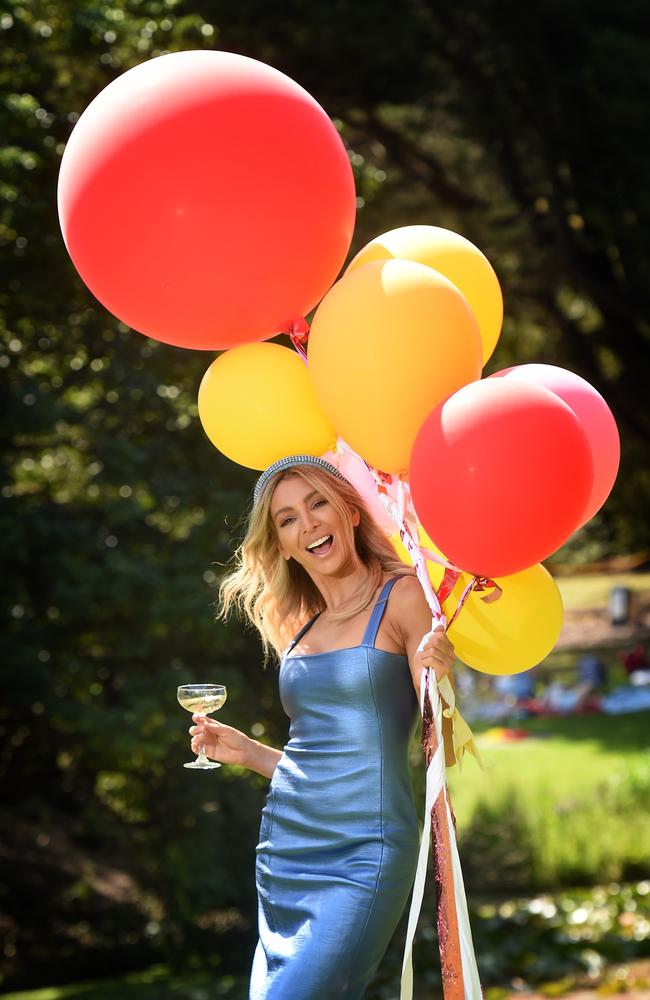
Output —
(339, 837)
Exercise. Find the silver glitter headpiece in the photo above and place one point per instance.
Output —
(289, 463)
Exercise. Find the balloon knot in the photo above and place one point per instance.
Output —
(297, 329)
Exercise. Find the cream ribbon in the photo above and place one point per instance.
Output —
(435, 785)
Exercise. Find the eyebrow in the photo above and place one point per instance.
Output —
(282, 510)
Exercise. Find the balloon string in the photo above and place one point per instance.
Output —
(477, 583)
(395, 496)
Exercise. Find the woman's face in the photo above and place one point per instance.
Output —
(310, 530)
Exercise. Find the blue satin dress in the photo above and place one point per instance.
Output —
(339, 835)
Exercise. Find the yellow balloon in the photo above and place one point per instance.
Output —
(456, 258)
(257, 404)
(388, 343)
(513, 633)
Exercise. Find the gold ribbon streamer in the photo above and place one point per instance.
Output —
(462, 737)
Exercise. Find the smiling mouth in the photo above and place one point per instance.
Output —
(321, 546)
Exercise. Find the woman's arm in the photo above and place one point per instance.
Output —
(230, 746)
(264, 759)
(412, 617)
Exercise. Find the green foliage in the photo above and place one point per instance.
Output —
(562, 937)
(570, 933)
(113, 518)
(533, 940)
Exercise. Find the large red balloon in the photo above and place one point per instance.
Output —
(595, 417)
(206, 199)
(500, 475)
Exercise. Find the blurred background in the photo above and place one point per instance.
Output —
(522, 127)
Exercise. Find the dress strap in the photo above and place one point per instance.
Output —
(370, 635)
(303, 631)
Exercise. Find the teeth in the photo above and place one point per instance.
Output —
(319, 541)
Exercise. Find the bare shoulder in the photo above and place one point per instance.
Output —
(407, 607)
(408, 593)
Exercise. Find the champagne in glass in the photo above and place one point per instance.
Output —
(203, 699)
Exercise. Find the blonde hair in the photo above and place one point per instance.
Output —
(277, 595)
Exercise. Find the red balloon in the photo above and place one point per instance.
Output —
(500, 475)
(595, 417)
(206, 199)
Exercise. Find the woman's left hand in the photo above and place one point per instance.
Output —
(435, 651)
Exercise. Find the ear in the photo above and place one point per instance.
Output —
(356, 516)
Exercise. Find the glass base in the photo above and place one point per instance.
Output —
(203, 765)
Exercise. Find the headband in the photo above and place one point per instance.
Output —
(289, 463)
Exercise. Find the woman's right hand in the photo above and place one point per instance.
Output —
(220, 742)
(230, 746)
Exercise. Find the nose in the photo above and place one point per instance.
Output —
(309, 520)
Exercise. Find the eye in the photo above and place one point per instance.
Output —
(285, 521)
(319, 503)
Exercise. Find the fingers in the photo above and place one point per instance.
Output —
(443, 655)
(206, 723)
(204, 728)
(438, 643)
(437, 652)
(197, 746)
(441, 667)
(438, 638)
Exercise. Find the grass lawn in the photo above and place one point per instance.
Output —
(566, 807)
(567, 756)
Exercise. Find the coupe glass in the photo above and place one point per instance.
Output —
(204, 699)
